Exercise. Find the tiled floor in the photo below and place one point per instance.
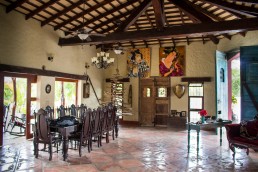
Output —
(136, 149)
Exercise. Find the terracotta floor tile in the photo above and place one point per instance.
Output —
(137, 149)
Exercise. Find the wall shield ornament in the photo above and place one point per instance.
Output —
(179, 90)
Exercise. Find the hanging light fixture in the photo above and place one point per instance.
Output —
(102, 61)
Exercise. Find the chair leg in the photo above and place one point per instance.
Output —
(36, 149)
(80, 148)
(113, 134)
(50, 151)
(107, 137)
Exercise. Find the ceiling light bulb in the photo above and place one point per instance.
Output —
(83, 36)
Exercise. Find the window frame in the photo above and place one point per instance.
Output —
(189, 99)
(62, 80)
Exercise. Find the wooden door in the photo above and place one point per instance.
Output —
(249, 81)
(221, 85)
(147, 100)
(162, 100)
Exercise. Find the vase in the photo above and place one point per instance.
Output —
(202, 118)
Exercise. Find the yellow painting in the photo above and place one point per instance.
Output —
(138, 62)
(172, 61)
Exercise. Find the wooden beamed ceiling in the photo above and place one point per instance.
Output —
(140, 23)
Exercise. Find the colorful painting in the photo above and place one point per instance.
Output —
(172, 61)
(138, 62)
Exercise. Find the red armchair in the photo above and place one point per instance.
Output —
(235, 140)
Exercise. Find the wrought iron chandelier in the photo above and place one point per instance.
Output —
(102, 61)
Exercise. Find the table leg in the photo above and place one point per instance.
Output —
(198, 132)
(65, 148)
(116, 127)
(220, 136)
(188, 146)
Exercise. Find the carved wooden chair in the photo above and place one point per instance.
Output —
(5, 114)
(104, 123)
(111, 121)
(43, 134)
(73, 111)
(85, 135)
(61, 111)
(96, 126)
(50, 112)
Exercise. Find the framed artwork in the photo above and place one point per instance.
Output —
(173, 112)
(183, 113)
(172, 61)
(48, 88)
(138, 62)
(178, 114)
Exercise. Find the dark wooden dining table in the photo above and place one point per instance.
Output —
(65, 132)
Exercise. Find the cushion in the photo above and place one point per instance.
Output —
(252, 128)
(246, 141)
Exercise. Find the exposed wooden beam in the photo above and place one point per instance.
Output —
(191, 12)
(158, 6)
(41, 8)
(176, 31)
(227, 36)
(14, 5)
(241, 9)
(134, 16)
(242, 34)
(96, 18)
(213, 39)
(19, 69)
(196, 79)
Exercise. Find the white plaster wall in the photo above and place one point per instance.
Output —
(25, 43)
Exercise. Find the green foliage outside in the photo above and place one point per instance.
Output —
(235, 85)
(8, 94)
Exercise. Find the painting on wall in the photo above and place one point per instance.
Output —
(138, 62)
(172, 61)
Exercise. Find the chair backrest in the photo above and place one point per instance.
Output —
(61, 111)
(42, 126)
(86, 126)
(73, 111)
(105, 118)
(50, 112)
(81, 111)
(96, 121)
(111, 116)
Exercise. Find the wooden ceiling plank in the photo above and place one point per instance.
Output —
(255, 2)
(176, 31)
(41, 8)
(241, 9)
(66, 10)
(89, 10)
(134, 16)
(190, 11)
(158, 6)
(148, 18)
(99, 16)
(14, 5)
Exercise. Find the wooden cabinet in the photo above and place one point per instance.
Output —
(177, 122)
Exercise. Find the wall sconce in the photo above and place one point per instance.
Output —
(50, 57)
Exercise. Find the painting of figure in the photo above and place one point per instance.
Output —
(138, 62)
(172, 61)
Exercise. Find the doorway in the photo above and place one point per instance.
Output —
(17, 104)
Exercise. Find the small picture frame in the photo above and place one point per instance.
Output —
(173, 113)
(183, 113)
(178, 114)
(48, 88)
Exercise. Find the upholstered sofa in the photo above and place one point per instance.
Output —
(237, 140)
